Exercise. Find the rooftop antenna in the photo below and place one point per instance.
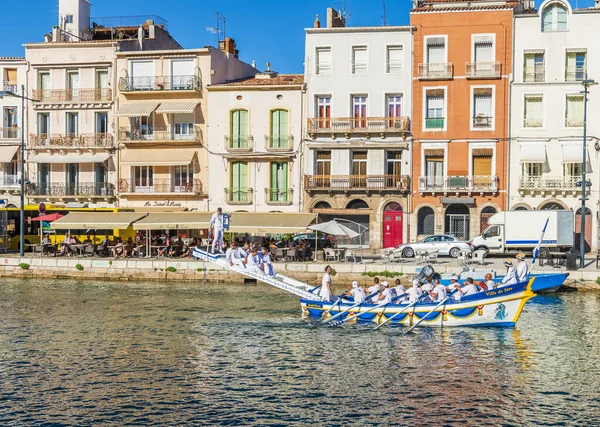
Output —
(217, 28)
(384, 15)
(343, 10)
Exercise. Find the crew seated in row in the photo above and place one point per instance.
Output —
(250, 259)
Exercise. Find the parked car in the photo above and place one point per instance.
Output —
(444, 243)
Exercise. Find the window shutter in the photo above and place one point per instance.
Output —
(395, 59)
(243, 123)
(243, 175)
(547, 19)
(482, 166)
(284, 179)
(11, 75)
(484, 49)
(561, 18)
(235, 124)
(275, 128)
(534, 108)
(360, 55)
(483, 105)
(283, 125)
(274, 176)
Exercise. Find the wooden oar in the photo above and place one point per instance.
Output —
(349, 308)
(366, 311)
(332, 307)
(389, 319)
(432, 310)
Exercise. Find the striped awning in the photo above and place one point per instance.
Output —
(138, 109)
(177, 107)
(69, 158)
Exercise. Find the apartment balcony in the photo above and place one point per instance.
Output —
(434, 123)
(481, 122)
(72, 96)
(10, 134)
(279, 196)
(10, 86)
(384, 126)
(239, 144)
(10, 184)
(160, 186)
(534, 74)
(172, 133)
(483, 70)
(549, 185)
(575, 74)
(239, 196)
(458, 184)
(435, 71)
(368, 184)
(530, 122)
(160, 83)
(91, 141)
(80, 190)
(276, 143)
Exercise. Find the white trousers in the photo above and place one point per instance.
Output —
(218, 237)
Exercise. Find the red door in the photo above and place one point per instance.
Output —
(392, 226)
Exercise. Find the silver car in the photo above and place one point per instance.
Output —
(444, 243)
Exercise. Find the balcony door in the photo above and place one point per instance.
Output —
(239, 129)
(43, 173)
(482, 171)
(43, 127)
(359, 169)
(279, 182)
(102, 92)
(324, 111)
(72, 178)
(141, 128)
(9, 123)
(394, 169)
(183, 178)
(72, 124)
(142, 75)
(279, 129)
(394, 111)
(143, 179)
(182, 74)
(72, 84)
(101, 178)
(434, 172)
(183, 126)
(323, 170)
(101, 129)
(239, 182)
(359, 109)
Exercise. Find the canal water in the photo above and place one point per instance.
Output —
(105, 353)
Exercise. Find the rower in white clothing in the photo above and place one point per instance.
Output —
(375, 288)
(356, 292)
(325, 291)
(265, 262)
(243, 252)
(253, 262)
(469, 287)
(400, 292)
(385, 295)
(439, 292)
(510, 278)
(427, 286)
(489, 283)
(522, 268)
(414, 292)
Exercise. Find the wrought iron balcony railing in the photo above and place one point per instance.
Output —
(178, 132)
(279, 196)
(79, 189)
(279, 142)
(156, 83)
(357, 182)
(458, 183)
(62, 141)
(239, 195)
(239, 143)
(10, 180)
(73, 95)
(435, 71)
(160, 185)
(10, 133)
(549, 183)
(534, 74)
(575, 74)
(483, 70)
(332, 125)
(482, 122)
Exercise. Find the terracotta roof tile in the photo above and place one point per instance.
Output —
(458, 8)
(278, 80)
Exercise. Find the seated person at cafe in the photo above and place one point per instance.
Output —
(88, 240)
(163, 251)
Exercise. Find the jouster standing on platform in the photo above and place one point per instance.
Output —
(216, 224)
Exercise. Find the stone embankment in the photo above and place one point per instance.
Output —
(192, 270)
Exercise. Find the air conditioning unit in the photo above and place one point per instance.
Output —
(481, 120)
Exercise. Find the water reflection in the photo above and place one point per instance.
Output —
(165, 354)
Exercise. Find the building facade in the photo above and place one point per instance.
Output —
(553, 56)
(12, 73)
(462, 65)
(255, 138)
(358, 128)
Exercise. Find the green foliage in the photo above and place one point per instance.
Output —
(387, 274)
(598, 280)
(333, 272)
(24, 266)
(200, 269)
(79, 267)
(171, 269)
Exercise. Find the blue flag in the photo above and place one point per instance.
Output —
(536, 251)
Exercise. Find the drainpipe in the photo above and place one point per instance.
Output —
(511, 80)
(301, 157)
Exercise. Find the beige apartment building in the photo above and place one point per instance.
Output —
(161, 122)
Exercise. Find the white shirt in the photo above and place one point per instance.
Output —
(374, 288)
(241, 253)
(400, 292)
(386, 296)
(253, 260)
(427, 287)
(324, 291)
(490, 284)
(469, 289)
(510, 278)
(440, 290)
(358, 294)
(216, 221)
(522, 271)
(413, 293)
(231, 255)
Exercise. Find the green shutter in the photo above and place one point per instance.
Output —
(273, 193)
(275, 128)
(243, 129)
(235, 181)
(235, 128)
(283, 128)
(284, 181)
(243, 183)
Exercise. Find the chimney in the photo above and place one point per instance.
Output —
(228, 46)
(268, 67)
(56, 34)
(317, 23)
(253, 63)
(597, 4)
(334, 20)
(141, 37)
(47, 38)
(151, 29)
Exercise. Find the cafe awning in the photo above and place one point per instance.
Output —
(158, 157)
(7, 153)
(275, 222)
(533, 153)
(174, 220)
(177, 107)
(573, 152)
(69, 158)
(97, 220)
(138, 109)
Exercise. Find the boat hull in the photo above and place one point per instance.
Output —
(547, 282)
(500, 308)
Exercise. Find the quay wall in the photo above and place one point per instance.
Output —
(192, 271)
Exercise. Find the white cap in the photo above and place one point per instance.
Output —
(415, 282)
(385, 284)
(454, 277)
(355, 284)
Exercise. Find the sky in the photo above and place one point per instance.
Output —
(264, 30)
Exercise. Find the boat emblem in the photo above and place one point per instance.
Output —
(500, 312)
(445, 315)
(480, 310)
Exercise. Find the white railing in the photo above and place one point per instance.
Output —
(483, 70)
(435, 71)
(546, 183)
(460, 183)
(10, 180)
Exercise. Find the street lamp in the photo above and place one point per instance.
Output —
(586, 85)
(4, 93)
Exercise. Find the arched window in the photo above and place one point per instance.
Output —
(552, 206)
(425, 221)
(554, 18)
(322, 205)
(521, 208)
(357, 204)
(393, 206)
(279, 129)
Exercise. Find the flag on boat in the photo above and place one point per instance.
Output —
(536, 251)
